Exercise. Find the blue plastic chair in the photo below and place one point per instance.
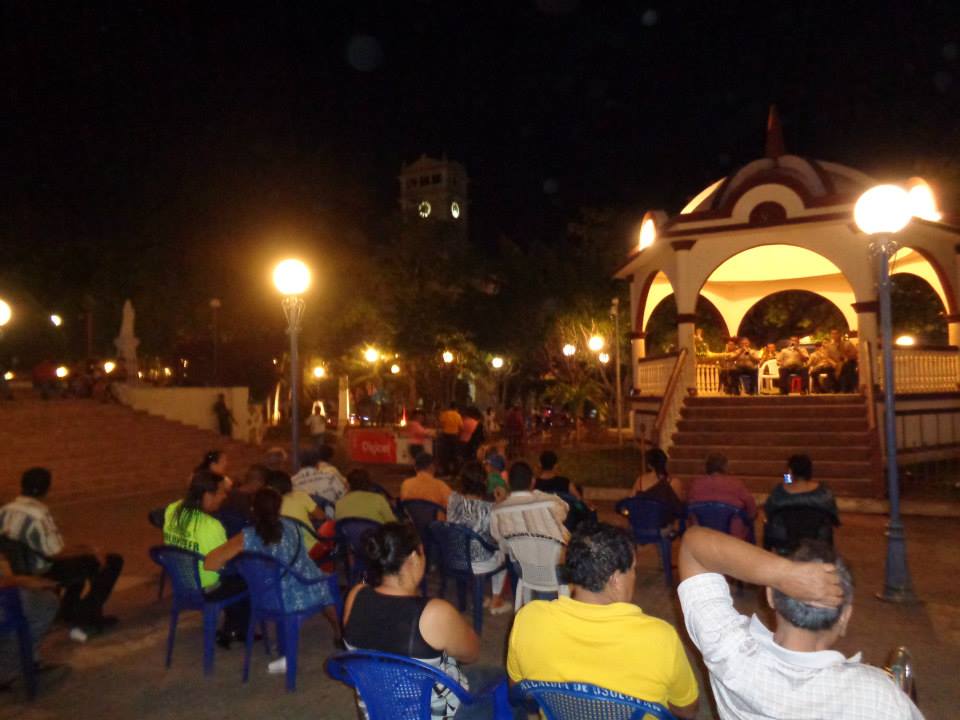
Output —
(647, 516)
(394, 687)
(351, 532)
(156, 518)
(454, 543)
(264, 576)
(183, 568)
(579, 511)
(581, 701)
(719, 516)
(12, 619)
(422, 513)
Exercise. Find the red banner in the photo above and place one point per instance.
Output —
(373, 446)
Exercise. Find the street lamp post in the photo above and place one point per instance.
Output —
(881, 212)
(615, 311)
(292, 278)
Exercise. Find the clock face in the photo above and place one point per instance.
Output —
(455, 210)
(424, 209)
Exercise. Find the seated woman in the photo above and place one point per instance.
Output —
(469, 507)
(658, 485)
(189, 524)
(297, 505)
(389, 616)
(799, 491)
(280, 538)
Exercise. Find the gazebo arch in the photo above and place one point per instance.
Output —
(740, 330)
(919, 262)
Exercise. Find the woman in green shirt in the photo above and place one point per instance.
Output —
(189, 524)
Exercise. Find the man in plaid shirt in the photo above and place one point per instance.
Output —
(791, 673)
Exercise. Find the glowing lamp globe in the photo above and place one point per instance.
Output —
(497, 363)
(569, 350)
(905, 341)
(447, 357)
(62, 372)
(56, 320)
(371, 355)
(5, 313)
(395, 369)
(319, 372)
(596, 343)
(923, 203)
(109, 366)
(603, 358)
(291, 277)
(883, 209)
(8, 375)
(648, 233)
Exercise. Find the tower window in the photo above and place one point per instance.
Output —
(436, 179)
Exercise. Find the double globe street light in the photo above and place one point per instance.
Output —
(292, 278)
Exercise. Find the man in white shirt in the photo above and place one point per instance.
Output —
(318, 478)
(790, 673)
(528, 512)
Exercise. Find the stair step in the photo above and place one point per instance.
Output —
(761, 439)
(697, 412)
(773, 468)
(782, 424)
(849, 486)
(852, 453)
(773, 400)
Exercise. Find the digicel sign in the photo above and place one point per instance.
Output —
(373, 446)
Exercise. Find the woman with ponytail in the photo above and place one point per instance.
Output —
(279, 537)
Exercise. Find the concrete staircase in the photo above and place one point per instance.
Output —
(757, 435)
(100, 452)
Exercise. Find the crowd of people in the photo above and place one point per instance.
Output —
(827, 366)
(754, 671)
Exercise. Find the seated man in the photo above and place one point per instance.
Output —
(528, 512)
(792, 360)
(423, 485)
(746, 362)
(27, 520)
(551, 481)
(769, 353)
(598, 635)
(727, 368)
(822, 370)
(318, 477)
(240, 497)
(844, 355)
(791, 672)
(717, 486)
(362, 501)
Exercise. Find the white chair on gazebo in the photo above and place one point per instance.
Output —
(537, 558)
(768, 376)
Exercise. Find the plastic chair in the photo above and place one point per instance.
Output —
(647, 517)
(351, 532)
(264, 576)
(422, 513)
(579, 511)
(786, 527)
(13, 619)
(538, 558)
(19, 555)
(454, 543)
(768, 378)
(719, 516)
(581, 701)
(183, 567)
(156, 518)
(394, 687)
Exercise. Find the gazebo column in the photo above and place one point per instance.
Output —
(686, 296)
(638, 347)
(867, 333)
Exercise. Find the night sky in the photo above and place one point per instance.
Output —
(135, 128)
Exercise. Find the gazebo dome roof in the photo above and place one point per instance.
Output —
(816, 181)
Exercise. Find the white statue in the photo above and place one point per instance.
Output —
(126, 342)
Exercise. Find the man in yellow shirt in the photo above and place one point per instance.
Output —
(598, 636)
(423, 485)
(451, 423)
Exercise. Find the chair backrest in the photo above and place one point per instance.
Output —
(786, 527)
(183, 567)
(538, 558)
(264, 577)
(19, 555)
(421, 514)
(770, 369)
(391, 686)
(354, 531)
(454, 543)
(646, 515)
(716, 515)
(11, 610)
(378, 488)
(582, 701)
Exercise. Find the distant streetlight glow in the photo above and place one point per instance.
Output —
(923, 203)
(319, 372)
(648, 233)
(109, 366)
(291, 277)
(62, 372)
(5, 313)
(8, 375)
(447, 357)
(497, 362)
(596, 343)
(371, 355)
(906, 341)
(569, 350)
(603, 358)
(395, 369)
(56, 320)
(883, 209)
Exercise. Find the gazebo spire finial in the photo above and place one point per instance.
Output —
(774, 146)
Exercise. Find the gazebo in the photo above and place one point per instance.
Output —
(785, 222)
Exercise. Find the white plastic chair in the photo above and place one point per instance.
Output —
(768, 377)
(538, 558)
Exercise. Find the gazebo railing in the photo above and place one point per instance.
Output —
(708, 379)
(653, 374)
(923, 370)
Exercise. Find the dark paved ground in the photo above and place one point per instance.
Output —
(121, 675)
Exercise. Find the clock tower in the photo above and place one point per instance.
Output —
(434, 191)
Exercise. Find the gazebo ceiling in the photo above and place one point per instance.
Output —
(773, 262)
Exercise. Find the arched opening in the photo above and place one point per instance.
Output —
(918, 310)
(662, 326)
(778, 316)
(915, 262)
